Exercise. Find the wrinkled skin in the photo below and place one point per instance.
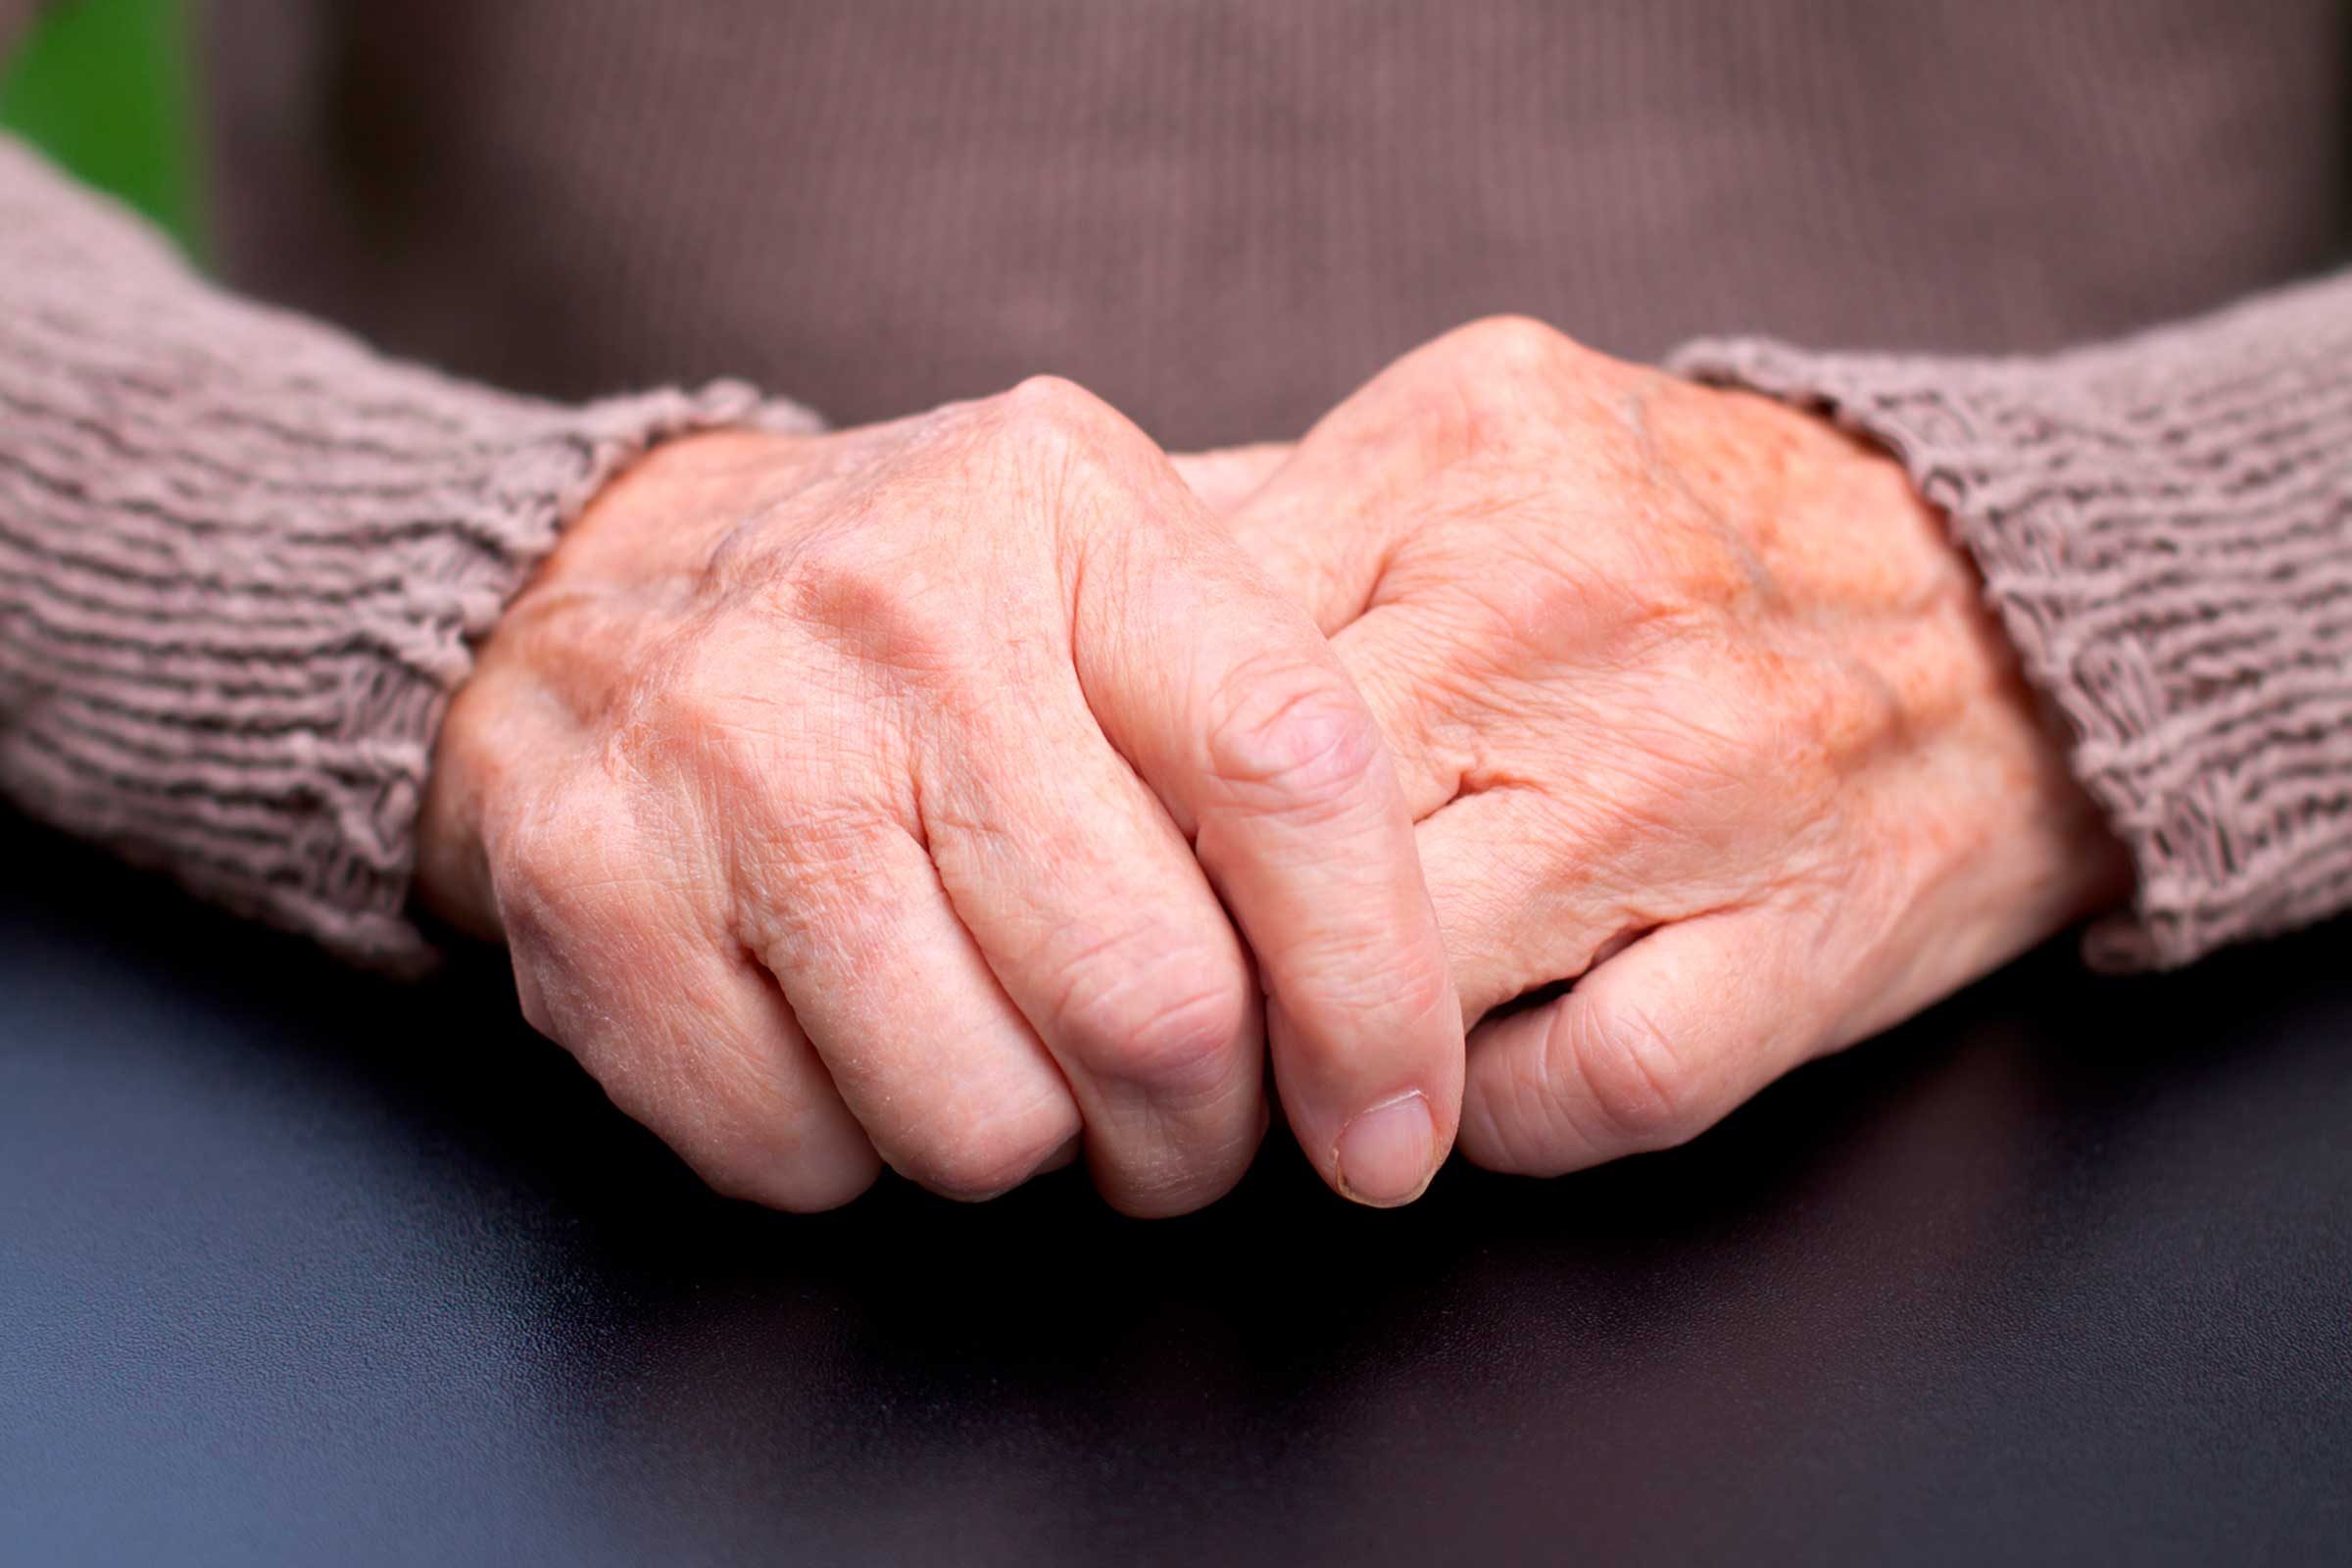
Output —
(881, 797)
(1695, 704)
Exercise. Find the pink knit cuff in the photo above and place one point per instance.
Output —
(244, 562)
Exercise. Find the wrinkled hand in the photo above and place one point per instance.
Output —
(877, 791)
(1697, 706)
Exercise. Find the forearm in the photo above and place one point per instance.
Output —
(2165, 527)
(243, 562)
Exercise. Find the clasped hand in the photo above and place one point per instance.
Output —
(976, 791)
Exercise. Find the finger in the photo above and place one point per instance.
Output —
(1526, 895)
(1651, 1048)
(688, 1035)
(946, 1077)
(1234, 710)
(1102, 930)
(1406, 661)
(1229, 475)
(1312, 529)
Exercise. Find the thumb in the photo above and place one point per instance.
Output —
(1651, 1048)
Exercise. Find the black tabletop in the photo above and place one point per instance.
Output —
(303, 1267)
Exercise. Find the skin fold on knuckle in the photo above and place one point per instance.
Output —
(1069, 454)
(885, 612)
(551, 856)
(1614, 1075)
(754, 1170)
(1509, 1123)
(973, 1155)
(1411, 990)
(1290, 741)
(1160, 1015)
(1169, 1189)
(1511, 345)
(1497, 386)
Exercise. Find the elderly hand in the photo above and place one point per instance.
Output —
(1697, 708)
(877, 791)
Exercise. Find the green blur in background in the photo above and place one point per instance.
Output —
(107, 88)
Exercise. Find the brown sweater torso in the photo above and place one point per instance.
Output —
(244, 558)
(1221, 215)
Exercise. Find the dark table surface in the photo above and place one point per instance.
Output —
(308, 1267)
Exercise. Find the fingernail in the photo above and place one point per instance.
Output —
(1384, 1154)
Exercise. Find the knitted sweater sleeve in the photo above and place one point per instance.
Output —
(243, 562)
(2164, 525)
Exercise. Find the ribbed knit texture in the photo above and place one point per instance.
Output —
(241, 557)
(241, 563)
(2165, 526)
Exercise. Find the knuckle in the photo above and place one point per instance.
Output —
(987, 1155)
(839, 576)
(1838, 714)
(1402, 987)
(1056, 415)
(1512, 346)
(749, 1171)
(1490, 389)
(1535, 614)
(676, 713)
(1052, 397)
(1066, 448)
(1620, 1068)
(549, 856)
(1176, 1194)
(1423, 990)
(1294, 738)
(1171, 1020)
(778, 1139)
(864, 598)
(589, 897)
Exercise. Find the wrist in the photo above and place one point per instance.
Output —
(2019, 849)
(633, 532)
(453, 875)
